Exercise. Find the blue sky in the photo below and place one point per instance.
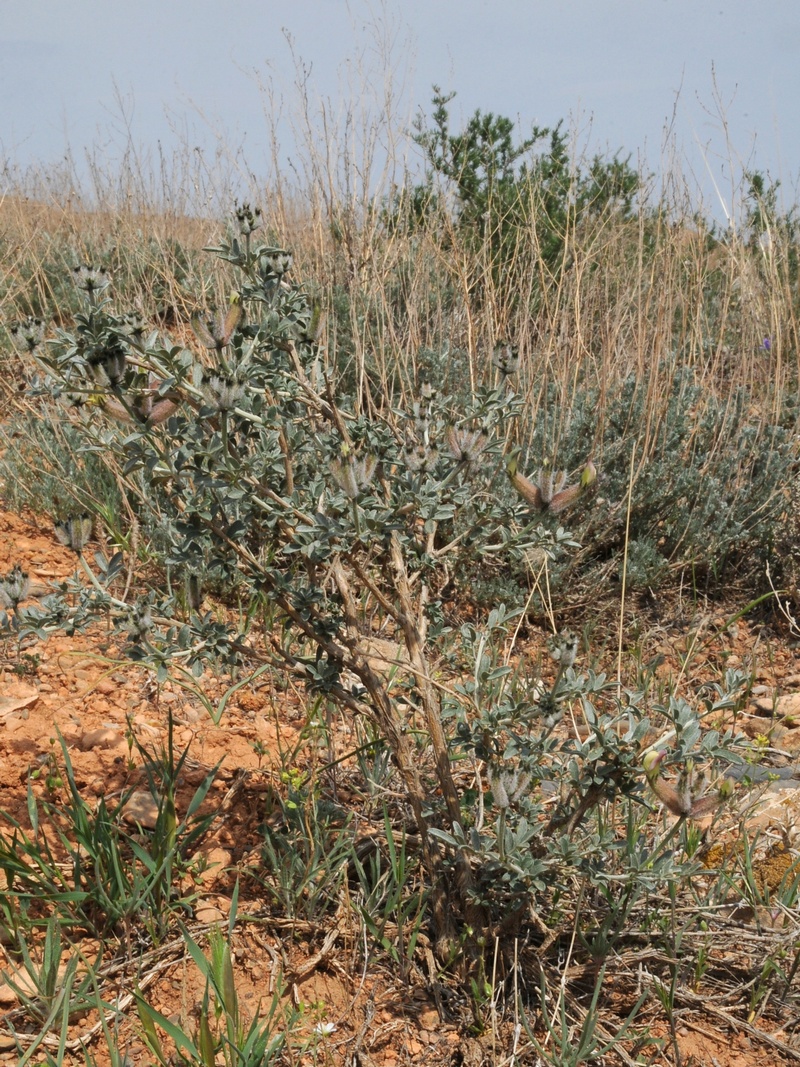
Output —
(722, 75)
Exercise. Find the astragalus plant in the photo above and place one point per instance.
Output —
(342, 517)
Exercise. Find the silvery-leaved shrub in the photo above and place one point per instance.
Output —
(248, 466)
(709, 492)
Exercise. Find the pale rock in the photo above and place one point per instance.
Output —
(205, 912)
(83, 668)
(141, 723)
(755, 726)
(141, 808)
(17, 697)
(103, 737)
(224, 905)
(20, 977)
(789, 704)
(778, 809)
(213, 863)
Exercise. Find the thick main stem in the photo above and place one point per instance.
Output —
(396, 737)
(414, 626)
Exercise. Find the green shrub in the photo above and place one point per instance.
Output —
(502, 188)
(255, 464)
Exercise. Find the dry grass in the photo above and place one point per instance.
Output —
(649, 298)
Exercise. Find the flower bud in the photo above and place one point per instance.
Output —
(563, 648)
(74, 532)
(14, 587)
(28, 334)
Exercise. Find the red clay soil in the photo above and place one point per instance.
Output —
(81, 689)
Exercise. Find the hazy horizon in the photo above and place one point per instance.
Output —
(711, 89)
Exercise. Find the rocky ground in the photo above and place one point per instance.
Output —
(79, 689)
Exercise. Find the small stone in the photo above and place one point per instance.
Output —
(788, 738)
(207, 913)
(789, 704)
(778, 706)
(107, 686)
(141, 723)
(141, 809)
(16, 697)
(754, 726)
(104, 737)
(213, 863)
(23, 980)
(7, 995)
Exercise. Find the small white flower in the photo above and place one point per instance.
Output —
(134, 326)
(108, 363)
(277, 261)
(14, 587)
(324, 1029)
(140, 622)
(418, 457)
